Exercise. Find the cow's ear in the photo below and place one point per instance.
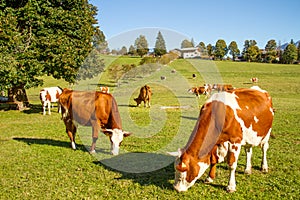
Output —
(126, 134)
(177, 153)
(107, 132)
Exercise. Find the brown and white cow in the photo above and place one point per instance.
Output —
(49, 95)
(96, 109)
(205, 90)
(227, 121)
(145, 96)
(254, 80)
(222, 87)
(104, 89)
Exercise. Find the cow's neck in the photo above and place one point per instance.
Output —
(207, 130)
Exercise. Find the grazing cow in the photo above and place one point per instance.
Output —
(205, 90)
(163, 78)
(220, 87)
(49, 95)
(227, 121)
(194, 76)
(197, 91)
(145, 96)
(95, 109)
(104, 89)
(254, 80)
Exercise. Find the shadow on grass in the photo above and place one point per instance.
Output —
(51, 142)
(34, 108)
(143, 168)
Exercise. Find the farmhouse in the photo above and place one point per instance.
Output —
(193, 52)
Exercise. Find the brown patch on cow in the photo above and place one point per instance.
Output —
(48, 96)
(234, 147)
(231, 158)
(57, 94)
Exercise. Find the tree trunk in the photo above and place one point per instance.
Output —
(17, 98)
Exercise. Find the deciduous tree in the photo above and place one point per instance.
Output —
(271, 51)
(290, 54)
(233, 50)
(220, 49)
(141, 45)
(44, 37)
(186, 44)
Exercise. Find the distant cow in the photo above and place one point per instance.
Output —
(197, 91)
(254, 80)
(49, 95)
(205, 90)
(194, 76)
(163, 78)
(104, 89)
(96, 109)
(227, 121)
(221, 87)
(145, 96)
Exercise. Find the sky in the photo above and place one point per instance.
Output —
(122, 21)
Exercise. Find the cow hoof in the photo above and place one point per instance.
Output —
(264, 170)
(208, 180)
(92, 151)
(248, 171)
(230, 189)
(73, 145)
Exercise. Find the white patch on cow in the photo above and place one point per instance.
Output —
(116, 139)
(256, 119)
(227, 98)
(73, 145)
(247, 107)
(258, 89)
(230, 99)
(222, 152)
(272, 111)
(181, 184)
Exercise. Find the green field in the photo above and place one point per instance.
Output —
(36, 161)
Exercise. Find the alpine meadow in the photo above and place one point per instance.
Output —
(37, 161)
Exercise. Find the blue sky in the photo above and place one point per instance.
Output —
(206, 21)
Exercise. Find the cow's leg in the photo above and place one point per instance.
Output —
(44, 107)
(95, 129)
(234, 151)
(72, 133)
(212, 173)
(264, 163)
(59, 107)
(248, 150)
(49, 107)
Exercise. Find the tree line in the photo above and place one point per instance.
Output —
(272, 53)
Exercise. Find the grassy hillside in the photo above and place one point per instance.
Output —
(36, 160)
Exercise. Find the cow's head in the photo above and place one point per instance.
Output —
(138, 101)
(188, 170)
(116, 137)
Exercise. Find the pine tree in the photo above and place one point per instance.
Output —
(160, 45)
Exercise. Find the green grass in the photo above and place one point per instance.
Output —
(36, 161)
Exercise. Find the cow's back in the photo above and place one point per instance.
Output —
(88, 107)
